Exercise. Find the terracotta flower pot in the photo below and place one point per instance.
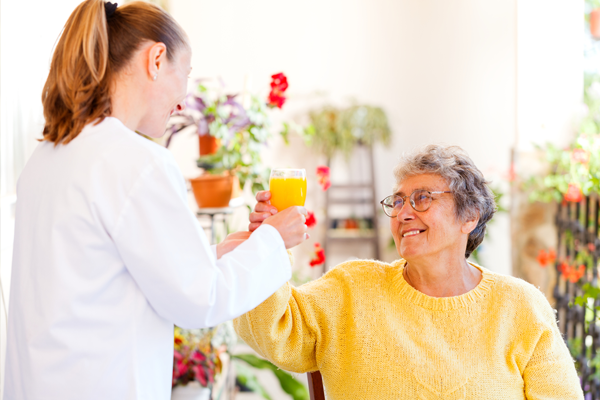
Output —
(595, 23)
(208, 144)
(212, 190)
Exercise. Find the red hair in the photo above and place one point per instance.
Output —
(90, 51)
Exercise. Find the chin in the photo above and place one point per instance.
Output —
(407, 252)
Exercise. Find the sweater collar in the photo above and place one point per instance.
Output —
(409, 293)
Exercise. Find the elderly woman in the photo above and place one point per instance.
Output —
(429, 326)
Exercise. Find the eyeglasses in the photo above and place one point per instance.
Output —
(420, 200)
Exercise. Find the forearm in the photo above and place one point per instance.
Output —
(278, 330)
(550, 373)
(555, 380)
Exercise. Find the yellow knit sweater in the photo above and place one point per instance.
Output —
(373, 336)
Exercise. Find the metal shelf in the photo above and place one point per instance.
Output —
(364, 195)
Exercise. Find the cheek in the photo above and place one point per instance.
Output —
(394, 227)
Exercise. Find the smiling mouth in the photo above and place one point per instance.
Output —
(412, 233)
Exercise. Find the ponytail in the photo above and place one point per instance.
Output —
(90, 51)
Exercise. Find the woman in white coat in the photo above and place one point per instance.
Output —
(107, 255)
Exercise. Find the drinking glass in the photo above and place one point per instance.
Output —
(287, 187)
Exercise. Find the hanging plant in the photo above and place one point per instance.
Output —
(339, 130)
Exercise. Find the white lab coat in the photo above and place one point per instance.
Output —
(107, 257)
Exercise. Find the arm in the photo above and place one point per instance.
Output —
(295, 325)
(550, 372)
(166, 251)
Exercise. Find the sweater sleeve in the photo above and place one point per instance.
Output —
(550, 372)
(293, 326)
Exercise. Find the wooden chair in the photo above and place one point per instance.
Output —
(315, 386)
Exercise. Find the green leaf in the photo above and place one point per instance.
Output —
(247, 378)
(285, 133)
(288, 383)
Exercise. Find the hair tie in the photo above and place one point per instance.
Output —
(110, 9)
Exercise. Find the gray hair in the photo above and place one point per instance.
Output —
(472, 196)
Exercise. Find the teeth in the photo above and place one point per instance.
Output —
(411, 233)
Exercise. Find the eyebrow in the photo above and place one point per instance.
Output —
(429, 189)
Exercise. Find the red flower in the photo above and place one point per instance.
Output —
(581, 156)
(323, 177)
(311, 220)
(279, 85)
(570, 272)
(276, 100)
(201, 375)
(574, 193)
(319, 256)
(546, 258)
(181, 368)
(577, 274)
(591, 247)
(279, 81)
(323, 170)
(197, 357)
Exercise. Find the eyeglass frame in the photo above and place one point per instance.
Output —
(410, 201)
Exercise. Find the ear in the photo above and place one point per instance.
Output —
(157, 56)
(470, 224)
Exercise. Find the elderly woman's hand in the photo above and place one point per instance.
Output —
(262, 210)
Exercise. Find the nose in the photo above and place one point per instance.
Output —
(406, 213)
(180, 107)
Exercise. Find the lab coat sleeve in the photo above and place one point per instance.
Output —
(166, 251)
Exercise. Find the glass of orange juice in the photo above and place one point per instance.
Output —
(287, 187)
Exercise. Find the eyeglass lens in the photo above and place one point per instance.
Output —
(420, 200)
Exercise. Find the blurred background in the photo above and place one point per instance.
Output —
(497, 78)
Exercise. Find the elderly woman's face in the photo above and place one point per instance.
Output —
(433, 232)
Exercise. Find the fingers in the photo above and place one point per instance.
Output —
(263, 195)
(265, 207)
(291, 224)
(302, 211)
(259, 217)
(254, 226)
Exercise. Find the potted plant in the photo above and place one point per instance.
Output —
(239, 130)
(199, 357)
(196, 363)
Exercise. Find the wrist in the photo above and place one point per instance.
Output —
(219, 250)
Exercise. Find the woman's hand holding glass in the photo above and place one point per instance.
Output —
(283, 206)
(291, 222)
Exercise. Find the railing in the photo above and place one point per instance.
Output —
(579, 244)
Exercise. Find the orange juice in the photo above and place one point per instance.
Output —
(287, 192)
